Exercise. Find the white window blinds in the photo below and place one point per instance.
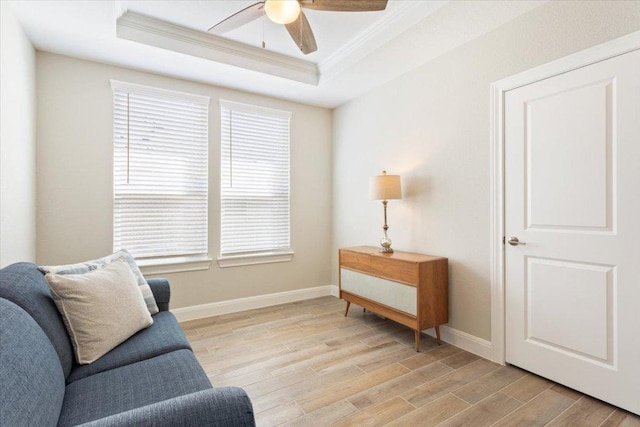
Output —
(160, 151)
(254, 179)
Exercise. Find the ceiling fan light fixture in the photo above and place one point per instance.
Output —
(282, 11)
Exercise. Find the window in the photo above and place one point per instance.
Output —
(254, 193)
(160, 171)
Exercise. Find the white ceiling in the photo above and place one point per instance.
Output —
(356, 51)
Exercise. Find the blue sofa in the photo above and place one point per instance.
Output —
(153, 378)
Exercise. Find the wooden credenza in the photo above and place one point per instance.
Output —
(409, 288)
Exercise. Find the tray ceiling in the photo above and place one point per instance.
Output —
(356, 51)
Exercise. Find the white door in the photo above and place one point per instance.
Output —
(572, 194)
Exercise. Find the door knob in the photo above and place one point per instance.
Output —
(515, 242)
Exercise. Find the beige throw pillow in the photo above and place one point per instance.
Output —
(101, 308)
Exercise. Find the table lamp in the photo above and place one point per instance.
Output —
(385, 187)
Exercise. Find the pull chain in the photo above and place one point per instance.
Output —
(128, 136)
(264, 45)
(231, 148)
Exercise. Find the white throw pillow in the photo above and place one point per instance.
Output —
(101, 308)
(85, 267)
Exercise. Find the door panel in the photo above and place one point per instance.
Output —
(572, 194)
(561, 142)
(576, 296)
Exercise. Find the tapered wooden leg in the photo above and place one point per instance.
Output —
(417, 340)
(438, 334)
(346, 311)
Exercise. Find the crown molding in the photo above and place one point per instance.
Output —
(119, 8)
(376, 35)
(155, 32)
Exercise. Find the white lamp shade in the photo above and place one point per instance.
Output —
(282, 11)
(385, 187)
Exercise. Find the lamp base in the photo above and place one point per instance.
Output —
(385, 242)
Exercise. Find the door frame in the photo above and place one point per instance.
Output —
(601, 52)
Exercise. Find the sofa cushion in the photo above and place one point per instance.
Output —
(110, 392)
(101, 308)
(220, 406)
(31, 378)
(25, 286)
(164, 336)
(87, 266)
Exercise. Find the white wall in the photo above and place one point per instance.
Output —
(432, 126)
(75, 192)
(17, 142)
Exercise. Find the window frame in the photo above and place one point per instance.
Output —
(159, 264)
(266, 256)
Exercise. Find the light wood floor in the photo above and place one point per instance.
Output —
(305, 364)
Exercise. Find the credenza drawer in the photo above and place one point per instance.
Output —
(392, 294)
(399, 271)
(354, 260)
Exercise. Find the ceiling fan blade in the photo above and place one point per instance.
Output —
(238, 19)
(345, 5)
(300, 32)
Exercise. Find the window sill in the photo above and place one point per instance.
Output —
(253, 259)
(174, 264)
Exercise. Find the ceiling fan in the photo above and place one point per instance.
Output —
(290, 14)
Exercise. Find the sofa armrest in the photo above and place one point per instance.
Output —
(222, 406)
(161, 292)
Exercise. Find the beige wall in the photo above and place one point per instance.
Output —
(75, 193)
(432, 126)
(17, 142)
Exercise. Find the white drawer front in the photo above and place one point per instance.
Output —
(393, 294)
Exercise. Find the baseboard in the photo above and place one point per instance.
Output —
(249, 303)
(465, 341)
(450, 335)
